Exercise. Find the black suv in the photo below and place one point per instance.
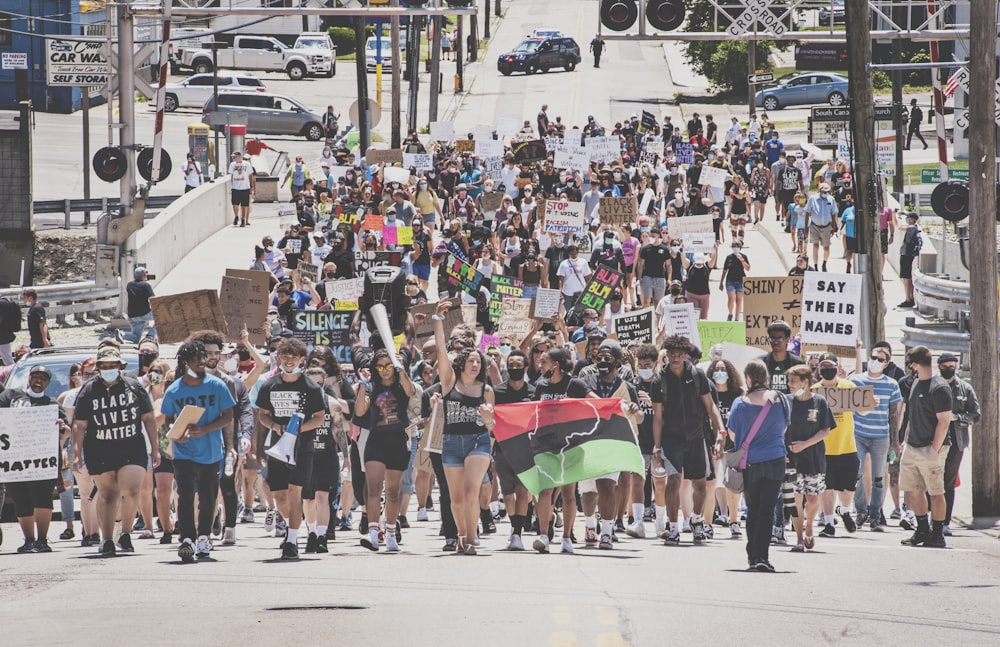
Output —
(540, 55)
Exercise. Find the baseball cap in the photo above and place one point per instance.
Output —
(139, 271)
(828, 357)
(44, 369)
(611, 346)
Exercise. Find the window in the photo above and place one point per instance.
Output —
(6, 37)
(249, 81)
(201, 81)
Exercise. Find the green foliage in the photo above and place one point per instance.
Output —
(343, 38)
(918, 76)
(881, 80)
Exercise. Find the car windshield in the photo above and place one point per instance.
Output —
(386, 45)
(319, 43)
(60, 365)
(527, 46)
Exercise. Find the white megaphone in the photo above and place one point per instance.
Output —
(381, 319)
(284, 449)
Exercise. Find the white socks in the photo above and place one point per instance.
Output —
(320, 530)
(293, 535)
(590, 522)
(661, 512)
(606, 527)
(637, 510)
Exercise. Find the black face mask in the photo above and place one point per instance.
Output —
(244, 355)
(828, 373)
(330, 275)
(947, 372)
(515, 374)
(604, 367)
(145, 359)
(549, 373)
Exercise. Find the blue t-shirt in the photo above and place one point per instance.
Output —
(847, 220)
(772, 147)
(799, 216)
(301, 298)
(876, 423)
(213, 395)
(769, 443)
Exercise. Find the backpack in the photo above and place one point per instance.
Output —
(10, 314)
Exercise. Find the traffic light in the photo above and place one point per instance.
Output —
(619, 15)
(110, 163)
(665, 15)
(144, 164)
(662, 15)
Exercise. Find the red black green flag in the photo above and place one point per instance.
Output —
(556, 442)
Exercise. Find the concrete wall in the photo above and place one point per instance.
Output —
(178, 229)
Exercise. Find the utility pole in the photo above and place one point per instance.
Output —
(126, 138)
(897, 114)
(458, 46)
(474, 33)
(437, 24)
(361, 70)
(982, 241)
(397, 87)
(413, 46)
(862, 106)
(751, 69)
(486, 19)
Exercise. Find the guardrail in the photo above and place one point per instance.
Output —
(82, 300)
(950, 301)
(99, 205)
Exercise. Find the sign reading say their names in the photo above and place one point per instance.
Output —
(769, 299)
(634, 327)
(860, 399)
(831, 310)
(29, 444)
(563, 217)
(179, 315)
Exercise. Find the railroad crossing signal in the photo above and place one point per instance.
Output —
(758, 12)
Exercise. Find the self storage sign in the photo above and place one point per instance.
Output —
(75, 63)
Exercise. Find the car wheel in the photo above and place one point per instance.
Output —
(170, 102)
(330, 74)
(505, 72)
(532, 69)
(771, 103)
(836, 99)
(570, 65)
(313, 132)
(203, 67)
(296, 71)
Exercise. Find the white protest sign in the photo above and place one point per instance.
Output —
(603, 149)
(442, 131)
(286, 214)
(489, 148)
(394, 174)
(647, 197)
(546, 303)
(713, 176)
(573, 137)
(337, 172)
(680, 319)
(572, 157)
(493, 166)
(551, 143)
(831, 310)
(681, 227)
(562, 217)
(482, 131)
(699, 242)
(507, 127)
(654, 146)
(29, 444)
(345, 289)
(419, 161)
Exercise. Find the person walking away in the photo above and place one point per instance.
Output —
(916, 117)
(964, 412)
(38, 327)
(913, 241)
(140, 313)
(597, 47)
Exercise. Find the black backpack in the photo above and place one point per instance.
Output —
(10, 313)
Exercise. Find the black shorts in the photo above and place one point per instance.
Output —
(850, 244)
(280, 475)
(906, 267)
(689, 456)
(505, 472)
(30, 495)
(325, 474)
(629, 268)
(166, 466)
(842, 472)
(111, 456)
(241, 197)
(388, 448)
(883, 237)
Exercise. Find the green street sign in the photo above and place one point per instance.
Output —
(933, 175)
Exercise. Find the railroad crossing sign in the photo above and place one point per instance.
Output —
(141, 55)
(758, 13)
(962, 116)
(760, 77)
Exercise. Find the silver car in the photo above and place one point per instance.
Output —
(195, 90)
(265, 114)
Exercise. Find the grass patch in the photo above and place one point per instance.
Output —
(913, 170)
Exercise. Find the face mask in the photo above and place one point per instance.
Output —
(34, 394)
(392, 217)
(736, 250)
(192, 374)
(486, 189)
(875, 366)
(423, 186)
(231, 365)
(591, 324)
(294, 371)
(673, 170)
(155, 378)
(947, 372)
(268, 248)
(109, 374)
(515, 374)
(711, 157)
(720, 377)
(674, 292)
(644, 229)
(828, 373)
(549, 373)
(675, 249)
(798, 393)
(646, 373)
(330, 275)
(604, 367)
(618, 176)
(505, 350)
(760, 165)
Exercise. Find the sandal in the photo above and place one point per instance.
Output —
(67, 534)
(460, 545)
(809, 542)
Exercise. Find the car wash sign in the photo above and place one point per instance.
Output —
(75, 63)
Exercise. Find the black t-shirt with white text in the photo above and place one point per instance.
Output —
(776, 369)
(568, 387)
(808, 417)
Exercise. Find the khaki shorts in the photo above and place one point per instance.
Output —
(922, 469)
(820, 235)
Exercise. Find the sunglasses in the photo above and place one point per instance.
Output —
(388, 368)
(775, 340)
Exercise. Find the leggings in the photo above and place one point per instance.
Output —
(447, 518)
(700, 301)
(202, 478)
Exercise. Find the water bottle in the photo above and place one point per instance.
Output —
(230, 464)
(892, 455)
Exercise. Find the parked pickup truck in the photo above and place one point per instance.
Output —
(264, 54)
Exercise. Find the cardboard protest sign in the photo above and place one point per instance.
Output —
(325, 328)
(254, 313)
(489, 148)
(713, 176)
(397, 175)
(344, 293)
(308, 271)
(462, 275)
(768, 299)
(603, 149)
(684, 153)
(363, 260)
(418, 161)
(384, 156)
(234, 293)
(465, 146)
(547, 303)
(529, 151)
(571, 157)
(634, 327)
(599, 288)
(680, 319)
(29, 444)
(563, 217)
(618, 211)
(681, 227)
(493, 166)
(469, 314)
(491, 201)
(425, 325)
(831, 308)
(189, 415)
(515, 320)
(502, 287)
(860, 399)
(442, 131)
(717, 332)
(179, 315)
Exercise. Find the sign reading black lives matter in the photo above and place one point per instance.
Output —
(831, 308)
(29, 444)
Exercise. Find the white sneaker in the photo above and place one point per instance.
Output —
(734, 529)
(280, 527)
(686, 526)
(202, 547)
(514, 543)
(229, 537)
(541, 544)
(659, 526)
(422, 514)
(269, 522)
(590, 536)
(186, 551)
(390, 542)
(637, 529)
(607, 542)
(567, 546)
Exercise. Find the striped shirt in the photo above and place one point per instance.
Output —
(876, 423)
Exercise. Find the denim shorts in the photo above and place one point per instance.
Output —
(734, 286)
(455, 448)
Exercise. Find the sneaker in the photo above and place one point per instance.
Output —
(269, 522)
(229, 537)
(778, 535)
(541, 544)
(28, 547)
(946, 531)
(145, 533)
(637, 530)
(934, 541)
(403, 523)
(202, 547)
(659, 525)
(370, 541)
(590, 537)
(896, 514)
(67, 534)
(449, 545)
(391, 545)
(881, 518)
(321, 545)
(918, 537)
(486, 518)
(607, 542)
(673, 537)
(186, 551)
(515, 543)
(429, 503)
(849, 524)
(906, 523)
(422, 514)
(764, 566)
(567, 546)
(698, 530)
(217, 522)
(735, 531)
(619, 526)
(107, 549)
(247, 516)
(345, 524)
(289, 551)
(709, 531)
(139, 524)
(280, 527)
(860, 519)
(125, 543)
(828, 530)
(686, 525)
(558, 523)
(649, 514)
(875, 526)
(90, 540)
(311, 542)
(167, 538)
(259, 507)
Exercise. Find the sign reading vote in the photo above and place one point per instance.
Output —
(29, 444)
(831, 308)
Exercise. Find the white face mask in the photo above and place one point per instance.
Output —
(798, 393)
(875, 366)
(646, 373)
(34, 394)
(109, 375)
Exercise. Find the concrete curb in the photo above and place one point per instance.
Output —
(766, 233)
(456, 103)
(970, 524)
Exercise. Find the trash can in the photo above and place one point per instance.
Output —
(198, 146)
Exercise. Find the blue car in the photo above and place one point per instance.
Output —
(807, 88)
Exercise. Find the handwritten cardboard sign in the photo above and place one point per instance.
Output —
(769, 299)
(384, 156)
(564, 217)
(547, 303)
(425, 325)
(502, 287)
(618, 211)
(515, 319)
(713, 176)
(465, 146)
(418, 161)
(860, 399)
(603, 149)
(831, 308)
(634, 327)
(179, 315)
(254, 313)
(308, 271)
(344, 293)
(568, 156)
(29, 444)
(234, 293)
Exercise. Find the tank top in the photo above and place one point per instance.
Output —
(531, 277)
(461, 414)
(697, 280)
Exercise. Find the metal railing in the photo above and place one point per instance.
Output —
(82, 300)
(97, 205)
(949, 300)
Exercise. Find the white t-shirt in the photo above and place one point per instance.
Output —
(574, 275)
(192, 174)
(508, 176)
(241, 172)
